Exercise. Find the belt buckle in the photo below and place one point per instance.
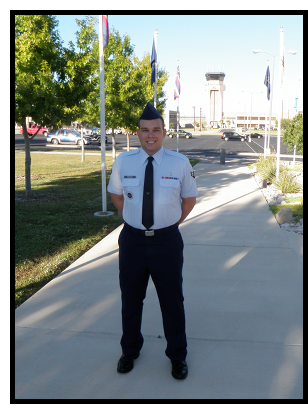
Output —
(149, 232)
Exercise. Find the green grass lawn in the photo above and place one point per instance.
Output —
(58, 225)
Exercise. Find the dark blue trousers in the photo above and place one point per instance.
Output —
(160, 256)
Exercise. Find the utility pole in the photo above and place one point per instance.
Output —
(194, 118)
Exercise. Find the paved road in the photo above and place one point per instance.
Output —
(199, 146)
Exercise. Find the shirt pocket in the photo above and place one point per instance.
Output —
(169, 191)
(131, 190)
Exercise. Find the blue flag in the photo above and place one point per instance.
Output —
(153, 60)
(267, 83)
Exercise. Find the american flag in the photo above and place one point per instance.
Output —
(177, 89)
(105, 30)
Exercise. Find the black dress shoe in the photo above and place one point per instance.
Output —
(126, 363)
(179, 369)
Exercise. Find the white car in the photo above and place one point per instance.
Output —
(68, 136)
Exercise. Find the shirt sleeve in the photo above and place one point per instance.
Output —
(115, 182)
(189, 185)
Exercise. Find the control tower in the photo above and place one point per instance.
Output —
(214, 97)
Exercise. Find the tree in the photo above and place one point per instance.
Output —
(284, 122)
(293, 135)
(80, 67)
(138, 92)
(55, 85)
(127, 86)
(51, 82)
(38, 76)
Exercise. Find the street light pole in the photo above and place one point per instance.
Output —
(194, 118)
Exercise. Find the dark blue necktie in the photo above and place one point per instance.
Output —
(147, 205)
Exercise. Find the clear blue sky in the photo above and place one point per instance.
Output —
(204, 43)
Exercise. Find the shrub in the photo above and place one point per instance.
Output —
(287, 183)
(266, 167)
(293, 134)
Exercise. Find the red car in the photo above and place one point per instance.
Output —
(33, 129)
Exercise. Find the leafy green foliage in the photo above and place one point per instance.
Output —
(127, 85)
(293, 135)
(56, 85)
(38, 69)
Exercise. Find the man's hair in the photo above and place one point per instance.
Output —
(156, 118)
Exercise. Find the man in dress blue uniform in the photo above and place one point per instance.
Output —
(155, 190)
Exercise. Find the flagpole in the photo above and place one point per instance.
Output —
(104, 211)
(266, 116)
(265, 135)
(155, 85)
(178, 122)
(281, 76)
(278, 137)
(178, 112)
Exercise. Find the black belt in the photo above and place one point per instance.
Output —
(154, 232)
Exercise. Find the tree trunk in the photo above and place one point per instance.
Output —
(113, 146)
(27, 161)
(128, 141)
(82, 146)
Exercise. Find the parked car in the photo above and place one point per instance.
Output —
(68, 136)
(98, 139)
(32, 129)
(116, 131)
(233, 135)
(182, 134)
(255, 135)
(86, 131)
(95, 132)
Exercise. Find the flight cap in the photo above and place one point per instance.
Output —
(150, 112)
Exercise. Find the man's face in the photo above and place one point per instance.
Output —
(151, 135)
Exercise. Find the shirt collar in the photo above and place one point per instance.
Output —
(157, 156)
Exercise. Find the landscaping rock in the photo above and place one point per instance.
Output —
(284, 216)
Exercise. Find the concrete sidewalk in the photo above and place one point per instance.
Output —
(243, 300)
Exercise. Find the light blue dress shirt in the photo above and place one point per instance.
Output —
(173, 180)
